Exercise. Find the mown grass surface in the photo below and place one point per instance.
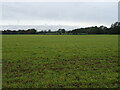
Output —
(60, 61)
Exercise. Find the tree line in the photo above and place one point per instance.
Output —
(114, 29)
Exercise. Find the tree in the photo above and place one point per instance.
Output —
(115, 28)
(49, 31)
(31, 31)
(61, 31)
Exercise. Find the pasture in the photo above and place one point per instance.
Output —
(60, 61)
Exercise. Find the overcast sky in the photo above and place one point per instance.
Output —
(59, 13)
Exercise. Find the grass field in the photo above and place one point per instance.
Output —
(60, 61)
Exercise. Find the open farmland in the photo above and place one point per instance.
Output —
(60, 61)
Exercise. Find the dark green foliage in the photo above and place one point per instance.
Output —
(114, 29)
(61, 31)
(29, 31)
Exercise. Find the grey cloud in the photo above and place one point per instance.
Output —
(66, 11)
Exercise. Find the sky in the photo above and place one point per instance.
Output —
(82, 14)
(59, 0)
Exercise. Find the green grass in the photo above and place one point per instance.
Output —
(60, 61)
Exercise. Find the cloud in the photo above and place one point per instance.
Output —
(59, 0)
(59, 13)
